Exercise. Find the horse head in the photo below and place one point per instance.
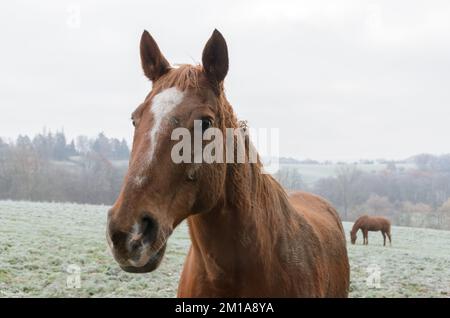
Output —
(159, 193)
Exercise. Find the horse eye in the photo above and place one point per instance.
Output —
(133, 122)
(206, 123)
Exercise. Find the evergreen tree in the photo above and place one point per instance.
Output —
(60, 146)
(71, 150)
(124, 150)
(24, 142)
(102, 146)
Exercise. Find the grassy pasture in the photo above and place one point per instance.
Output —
(39, 242)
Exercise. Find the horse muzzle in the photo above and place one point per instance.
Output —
(146, 263)
(141, 249)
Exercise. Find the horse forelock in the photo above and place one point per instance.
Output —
(183, 77)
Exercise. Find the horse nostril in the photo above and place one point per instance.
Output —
(118, 237)
(134, 245)
(149, 229)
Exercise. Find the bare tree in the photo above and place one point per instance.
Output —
(347, 177)
(290, 179)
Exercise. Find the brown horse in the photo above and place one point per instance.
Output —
(367, 223)
(249, 238)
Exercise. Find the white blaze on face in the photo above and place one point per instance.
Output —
(162, 104)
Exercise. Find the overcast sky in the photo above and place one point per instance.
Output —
(341, 79)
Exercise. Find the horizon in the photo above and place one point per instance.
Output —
(358, 160)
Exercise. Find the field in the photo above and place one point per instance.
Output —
(43, 245)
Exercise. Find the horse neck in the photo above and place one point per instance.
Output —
(356, 227)
(236, 233)
(242, 228)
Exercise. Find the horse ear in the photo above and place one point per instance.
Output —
(215, 58)
(153, 62)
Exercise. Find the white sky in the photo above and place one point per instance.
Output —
(340, 79)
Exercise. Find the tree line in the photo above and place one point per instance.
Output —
(54, 146)
(48, 168)
(416, 196)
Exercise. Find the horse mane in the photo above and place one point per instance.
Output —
(262, 199)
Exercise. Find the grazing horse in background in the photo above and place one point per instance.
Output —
(249, 238)
(367, 223)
